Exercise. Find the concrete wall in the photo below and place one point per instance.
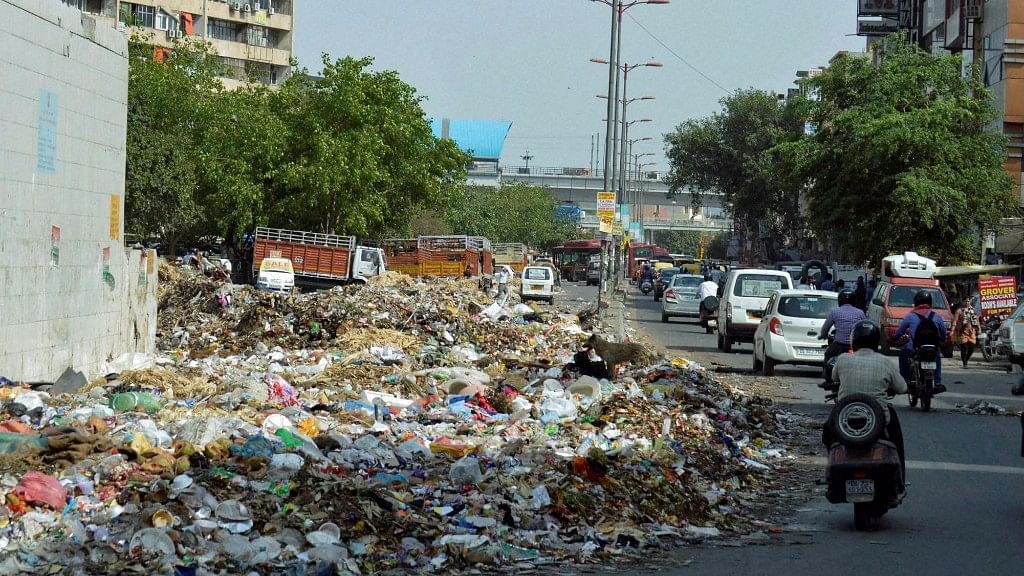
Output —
(70, 294)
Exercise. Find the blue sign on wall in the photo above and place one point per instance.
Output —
(568, 213)
(46, 136)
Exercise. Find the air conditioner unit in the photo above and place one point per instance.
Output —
(180, 33)
(271, 11)
(248, 8)
(974, 9)
(171, 34)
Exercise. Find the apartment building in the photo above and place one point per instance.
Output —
(253, 38)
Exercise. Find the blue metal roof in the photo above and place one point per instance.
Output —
(481, 139)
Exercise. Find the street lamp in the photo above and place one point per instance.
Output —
(618, 7)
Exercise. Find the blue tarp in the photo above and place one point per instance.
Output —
(481, 139)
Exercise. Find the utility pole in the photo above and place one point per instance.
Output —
(610, 121)
(527, 157)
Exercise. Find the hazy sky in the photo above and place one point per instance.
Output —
(527, 61)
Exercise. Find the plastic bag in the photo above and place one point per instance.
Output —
(38, 487)
(280, 391)
(466, 470)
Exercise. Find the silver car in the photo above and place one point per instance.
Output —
(680, 298)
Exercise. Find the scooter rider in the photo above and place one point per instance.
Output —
(706, 289)
(868, 372)
(908, 333)
(844, 317)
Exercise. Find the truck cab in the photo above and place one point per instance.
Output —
(367, 263)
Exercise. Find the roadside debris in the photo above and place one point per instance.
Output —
(406, 424)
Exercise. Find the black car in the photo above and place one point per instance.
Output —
(663, 279)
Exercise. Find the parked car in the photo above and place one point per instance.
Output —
(788, 332)
(894, 299)
(594, 273)
(1011, 337)
(743, 301)
(538, 284)
(681, 297)
(663, 277)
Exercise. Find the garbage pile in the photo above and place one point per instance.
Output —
(405, 425)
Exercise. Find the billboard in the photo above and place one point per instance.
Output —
(998, 295)
(878, 8)
(877, 27)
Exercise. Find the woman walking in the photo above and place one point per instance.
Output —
(965, 329)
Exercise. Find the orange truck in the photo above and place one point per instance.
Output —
(439, 255)
(318, 260)
(512, 254)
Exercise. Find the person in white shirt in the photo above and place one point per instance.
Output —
(707, 288)
(502, 277)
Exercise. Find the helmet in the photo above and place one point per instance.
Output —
(923, 297)
(865, 334)
(845, 296)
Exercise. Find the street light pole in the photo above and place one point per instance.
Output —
(613, 69)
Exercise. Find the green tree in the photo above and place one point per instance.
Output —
(170, 102)
(359, 156)
(902, 159)
(731, 153)
(679, 241)
(514, 212)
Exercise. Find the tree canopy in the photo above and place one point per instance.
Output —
(350, 152)
(515, 212)
(902, 159)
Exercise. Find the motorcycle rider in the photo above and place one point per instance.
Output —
(907, 333)
(844, 317)
(647, 274)
(868, 372)
(706, 289)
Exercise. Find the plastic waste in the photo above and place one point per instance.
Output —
(151, 541)
(466, 470)
(133, 401)
(36, 487)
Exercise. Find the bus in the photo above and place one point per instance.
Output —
(572, 257)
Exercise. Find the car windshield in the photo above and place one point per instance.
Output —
(667, 273)
(815, 307)
(903, 296)
(681, 281)
(537, 273)
(758, 285)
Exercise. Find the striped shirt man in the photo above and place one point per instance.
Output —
(843, 318)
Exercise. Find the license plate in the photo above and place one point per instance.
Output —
(929, 365)
(810, 352)
(535, 288)
(860, 490)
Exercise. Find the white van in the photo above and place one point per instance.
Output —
(276, 275)
(744, 298)
(538, 284)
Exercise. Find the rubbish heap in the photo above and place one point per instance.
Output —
(405, 425)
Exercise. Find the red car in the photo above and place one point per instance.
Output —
(894, 299)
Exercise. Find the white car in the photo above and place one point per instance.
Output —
(1011, 336)
(680, 298)
(788, 333)
(743, 301)
(538, 283)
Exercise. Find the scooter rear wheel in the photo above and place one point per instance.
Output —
(862, 516)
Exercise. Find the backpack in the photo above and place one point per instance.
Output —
(927, 334)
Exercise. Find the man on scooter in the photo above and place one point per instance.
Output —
(868, 372)
(920, 328)
(844, 318)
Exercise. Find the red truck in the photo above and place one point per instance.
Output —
(318, 259)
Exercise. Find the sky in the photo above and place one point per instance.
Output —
(528, 61)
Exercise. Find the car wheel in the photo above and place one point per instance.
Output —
(727, 342)
(758, 364)
(664, 317)
(768, 363)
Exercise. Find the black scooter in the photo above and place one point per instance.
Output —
(708, 312)
(863, 467)
(646, 286)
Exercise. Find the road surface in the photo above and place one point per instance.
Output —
(964, 511)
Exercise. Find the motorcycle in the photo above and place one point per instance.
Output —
(708, 312)
(863, 467)
(988, 338)
(646, 285)
(922, 380)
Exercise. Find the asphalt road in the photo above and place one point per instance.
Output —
(965, 505)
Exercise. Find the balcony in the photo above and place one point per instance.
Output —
(224, 11)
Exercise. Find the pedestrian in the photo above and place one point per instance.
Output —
(502, 277)
(965, 330)
(860, 294)
(468, 272)
(841, 285)
(805, 283)
(872, 284)
(827, 283)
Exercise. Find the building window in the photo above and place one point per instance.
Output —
(257, 36)
(232, 68)
(137, 15)
(165, 21)
(223, 30)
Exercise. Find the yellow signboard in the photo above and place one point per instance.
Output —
(606, 204)
(115, 216)
(607, 224)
